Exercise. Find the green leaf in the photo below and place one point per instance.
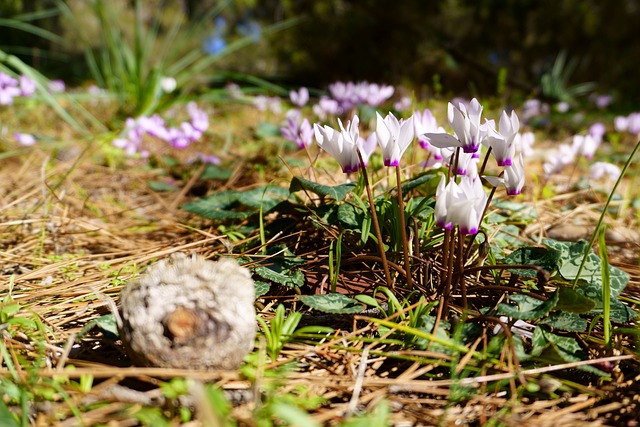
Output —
(292, 279)
(234, 204)
(527, 307)
(161, 186)
(107, 325)
(293, 415)
(261, 288)
(267, 130)
(6, 418)
(556, 349)
(217, 206)
(566, 348)
(332, 303)
(338, 192)
(349, 216)
(498, 343)
(619, 313)
(573, 301)
(216, 172)
(618, 279)
(432, 177)
(571, 254)
(9, 310)
(368, 300)
(507, 236)
(565, 321)
(266, 197)
(516, 211)
(542, 257)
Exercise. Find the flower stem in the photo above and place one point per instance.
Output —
(461, 261)
(403, 230)
(376, 225)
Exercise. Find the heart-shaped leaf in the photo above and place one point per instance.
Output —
(332, 303)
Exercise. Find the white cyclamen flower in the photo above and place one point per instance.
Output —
(300, 97)
(342, 145)
(585, 145)
(465, 122)
(513, 179)
(393, 137)
(502, 142)
(460, 204)
(601, 169)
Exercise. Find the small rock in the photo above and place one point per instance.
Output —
(188, 312)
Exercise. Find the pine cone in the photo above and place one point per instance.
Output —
(188, 312)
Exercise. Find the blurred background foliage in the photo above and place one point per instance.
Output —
(462, 47)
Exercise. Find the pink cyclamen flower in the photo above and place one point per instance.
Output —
(563, 107)
(57, 86)
(394, 137)
(460, 205)
(297, 131)
(24, 139)
(597, 130)
(266, 103)
(199, 118)
(154, 126)
(403, 104)
(377, 94)
(300, 97)
(634, 123)
(533, 108)
(621, 123)
(8, 89)
(205, 158)
(326, 107)
(342, 145)
(27, 86)
(602, 101)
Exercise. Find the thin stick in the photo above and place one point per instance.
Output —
(403, 230)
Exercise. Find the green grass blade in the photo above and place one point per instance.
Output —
(606, 286)
(31, 29)
(605, 208)
(6, 417)
(41, 82)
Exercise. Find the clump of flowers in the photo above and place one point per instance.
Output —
(11, 88)
(268, 103)
(567, 154)
(179, 137)
(345, 96)
(630, 124)
(461, 199)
